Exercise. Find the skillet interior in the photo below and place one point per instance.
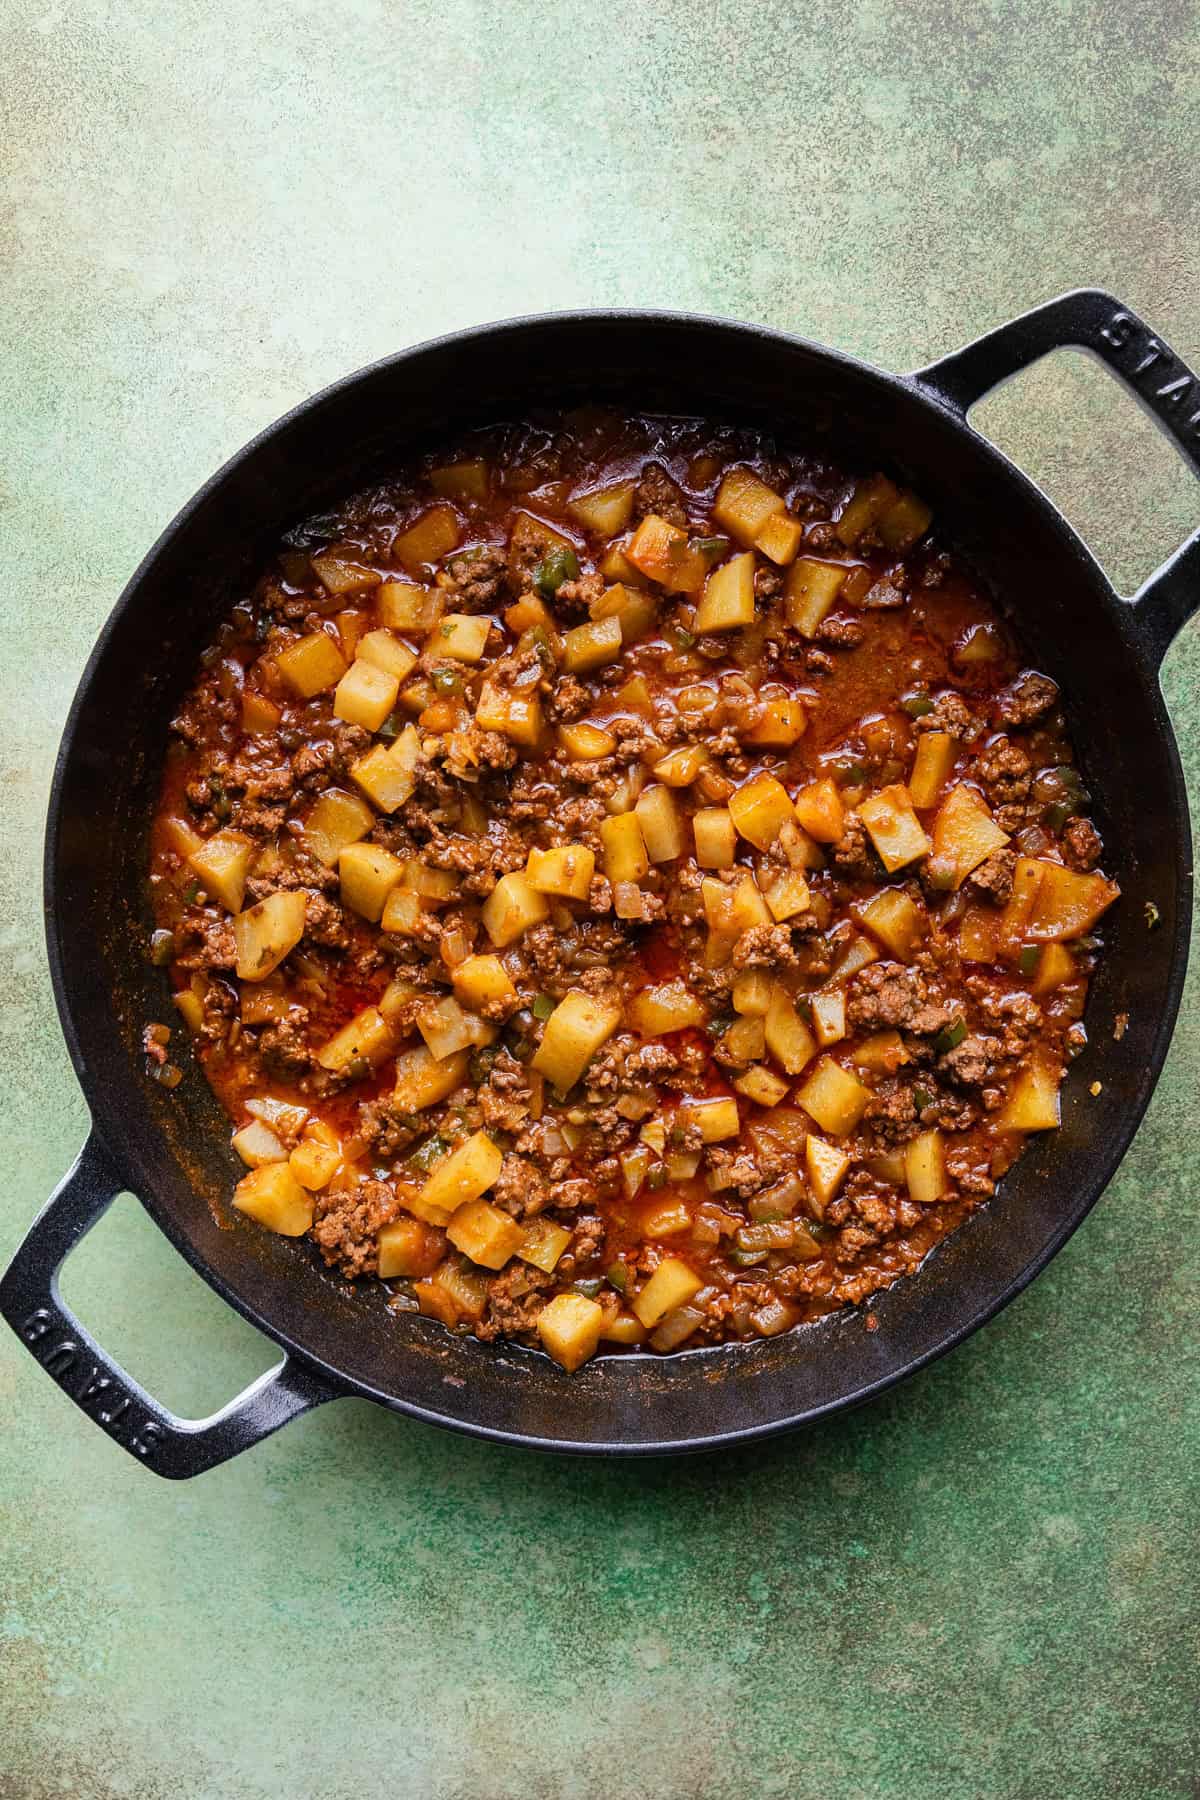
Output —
(174, 1148)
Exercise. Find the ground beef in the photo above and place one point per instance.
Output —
(765, 947)
(1027, 699)
(950, 714)
(887, 994)
(520, 1188)
(478, 578)
(514, 1300)
(578, 595)
(994, 877)
(503, 1099)
(657, 493)
(569, 701)
(1081, 844)
(853, 855)
(345, 1225)
(387, 1131)
(743, 1172)
(283, 1047)
(204, 941)
(892, 1113)
(767, 582)
(325, 922)
(1006, 773)
(882, 596)
(970, 1063)
(840, 632)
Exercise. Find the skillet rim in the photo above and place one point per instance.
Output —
(1125, 617)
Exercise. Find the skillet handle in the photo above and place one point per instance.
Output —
(1158, 379)
(32, 1305)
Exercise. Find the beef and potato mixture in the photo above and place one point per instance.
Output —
(624, 886)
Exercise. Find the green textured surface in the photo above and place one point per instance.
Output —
(986, 1584)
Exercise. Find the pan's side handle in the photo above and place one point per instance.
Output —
(31, 1303)
(1157, 378)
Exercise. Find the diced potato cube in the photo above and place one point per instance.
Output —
(625, 856)
(669, 1007)
(760, 809)
(860, 954)
(744, 503)
(314, 1164)
(1018, 909)
(407, 1248)
(906, 520)
(782, 725)
(964, 835)
(530, 535)
(661, 552)
(829, 1017)
(337, 819)
(447, 1029)
(586, 743)
(819, 809)
(273, 1196)
(569, 1327)
(574, 1032)
(672, 1284)
(787, 895)
(936, 754)
(191, 1008)
(882, 1053)
(386, 774)
(1067, 903)
(464, 1175)
(752, 993)
(590, 646)
(485, 1234)
(452, 1294)
(483, 982)
(403, 915)
(566, 872)
(511, 908)
(869, 501)
(222, 863)
(405, 607)
(896, 920)
(924, 1168)
(634, 610)
(515, 716)
(789, 1039)
(605, 510)
(728, 598)
(732, 910)
(180, 837)
(433, 536)
(365, 695)
(258, 713)
(421, 1081)
(826, 1168)
(716, 837)
(543, 1243)
(388, 653)
(466, 480)
(368, 1038)
(834, 1098)
(368, 873)
(264, 934)
(1033, 1099)
(616, 566)
(745, 1040)
(432, 886)
(979, 934)
(780, 538)
(762, 1086)
(622, 1328)
(311, 665)
(460, 636)
(340, 571)
(662, 827)
(1054, 966)
(810, 593)
(258, 1145)
(679, 768)
(717, 1118)
(894, 828)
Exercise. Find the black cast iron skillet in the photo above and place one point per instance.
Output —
(172, 1149)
